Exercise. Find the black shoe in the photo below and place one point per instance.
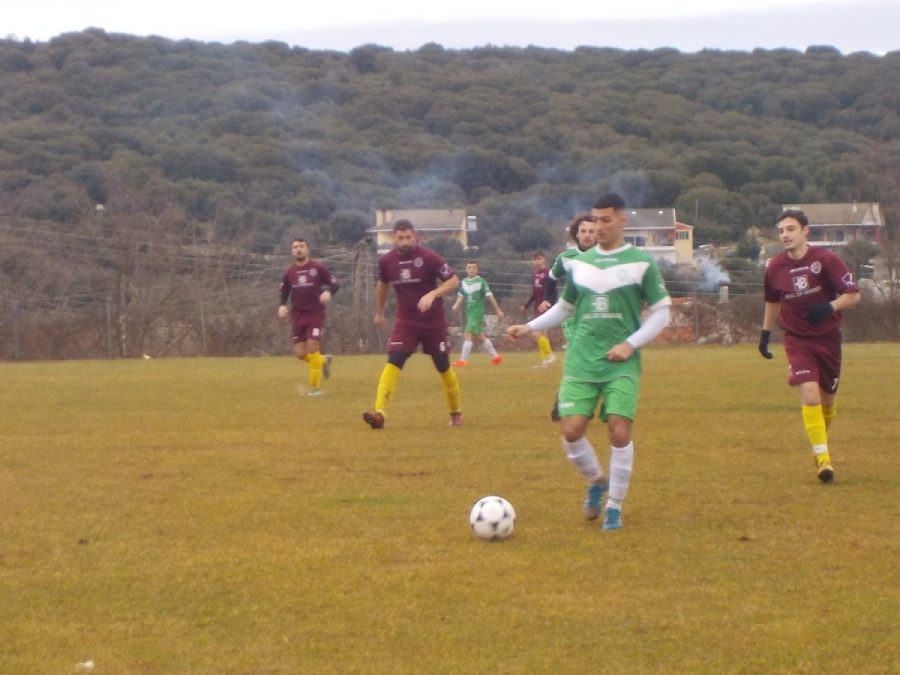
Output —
(374, 420)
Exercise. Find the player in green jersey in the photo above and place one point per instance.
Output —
(583, 232)
(474, 290)
(606, 290)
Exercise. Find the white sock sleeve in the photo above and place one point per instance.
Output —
(621, 461)
(466, 349)
(581, 453)
(488, 346)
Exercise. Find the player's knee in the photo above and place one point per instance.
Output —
(441, 362)
(397, 359)
(619, 431)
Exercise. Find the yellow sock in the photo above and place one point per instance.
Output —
(828, 412)
(315, 360)
(814, 423)
(387, 384)
(544, 347)
(451, 389)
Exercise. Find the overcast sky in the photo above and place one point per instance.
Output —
(687, 25)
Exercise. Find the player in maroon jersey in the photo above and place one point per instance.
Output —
(807, 288)
(539, 276)
(420, 279)
(309, 286)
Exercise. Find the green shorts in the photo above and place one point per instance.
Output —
(577, 397)
(474, 325)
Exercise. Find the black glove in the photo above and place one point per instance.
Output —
(764, 343)
(818, 313)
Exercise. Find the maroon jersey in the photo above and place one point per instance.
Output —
(305, 284)
(413, 275)
(538, 286)
(819, 276)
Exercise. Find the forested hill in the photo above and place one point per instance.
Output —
(249, 141)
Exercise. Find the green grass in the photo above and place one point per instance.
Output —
(202, 516)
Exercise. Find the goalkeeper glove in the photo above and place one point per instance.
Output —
(764, 343)
(819, 312)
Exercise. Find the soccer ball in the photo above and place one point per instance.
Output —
(492, 518)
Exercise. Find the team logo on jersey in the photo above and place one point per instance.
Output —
(815, 267)
(622, 273)
(445, 271)
(600, 303)
(847, 279)
(301, 279)
(418, 262)
(405, 275)
(801, 283)
(313, 272)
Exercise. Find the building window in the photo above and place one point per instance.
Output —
(682, 236)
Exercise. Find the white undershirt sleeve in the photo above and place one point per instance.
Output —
(554, 316)
(651, 327)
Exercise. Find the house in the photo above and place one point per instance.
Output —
(835, 225)
(657, 232)
(429, 224)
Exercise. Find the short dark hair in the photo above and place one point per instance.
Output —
(537, 254)
(575, 225)
(610, 201)
(403, 224)
(472, 262)
(796, 214)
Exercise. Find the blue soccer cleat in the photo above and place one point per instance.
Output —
(613, 520)
(591, 506)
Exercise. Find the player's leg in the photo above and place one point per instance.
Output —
(805, 374)
(466, 350)
(618, 411)
(487, 346)
(829, 408)
(579, 400)
(436, 344)
(299, 338)
(315, 360)
(450, 385)
(545, 350)
(403, 343)
(816, 428)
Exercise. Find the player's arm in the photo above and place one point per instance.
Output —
(554, 316)
(495, 304)
(769, 315)
(330, 289)
(283, 309)
(382, 289)
(530, 299)
(459, 301)
(446, 287)
(652, 326)
(550, 295)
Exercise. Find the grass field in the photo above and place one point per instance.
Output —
(203, 516)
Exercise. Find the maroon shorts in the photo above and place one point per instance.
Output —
(406, 336)
(308, 327)
(814, 359)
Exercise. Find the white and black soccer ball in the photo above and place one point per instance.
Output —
(492, 518)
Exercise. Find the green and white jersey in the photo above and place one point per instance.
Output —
(474, 290)
(608, 290)
(562, 263)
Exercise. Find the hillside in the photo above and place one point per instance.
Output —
(225, 148)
